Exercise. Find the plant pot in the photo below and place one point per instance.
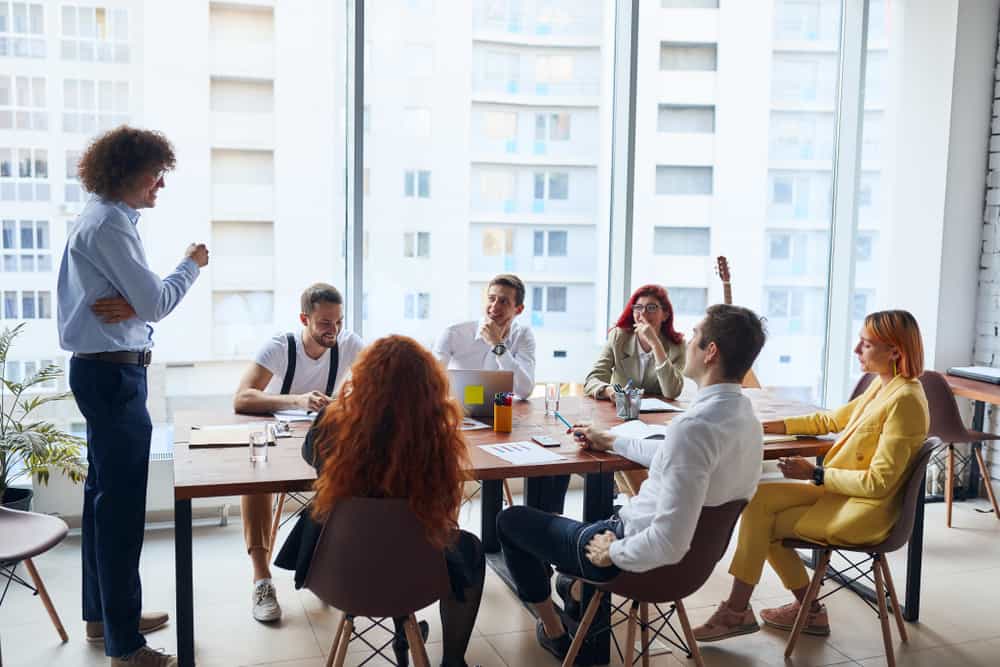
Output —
(17, 498)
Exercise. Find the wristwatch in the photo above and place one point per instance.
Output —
(499, 349)
(818, 475)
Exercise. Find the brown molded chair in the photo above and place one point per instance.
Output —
(946, 423)
(373, 560)
(670, 583)
(879, 570)
(863, 383)
(26, 535)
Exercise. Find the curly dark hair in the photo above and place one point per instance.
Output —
(115, 159)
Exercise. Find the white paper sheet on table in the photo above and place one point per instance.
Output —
(294, 416)
(656, 405)
(522, 453)
(637, 429)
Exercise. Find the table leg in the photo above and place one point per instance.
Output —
(184, 583)
(978, 419)
(492, 503)
(914, 564)
(598, 500)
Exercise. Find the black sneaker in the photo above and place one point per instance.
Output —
(558, 647)
(564, 587)
(401, 647)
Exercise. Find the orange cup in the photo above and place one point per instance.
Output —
(503, 418)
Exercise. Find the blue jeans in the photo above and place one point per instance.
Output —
(112, 398)
(531, 540)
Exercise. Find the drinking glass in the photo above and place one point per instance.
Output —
(258, 446)
(551, 399)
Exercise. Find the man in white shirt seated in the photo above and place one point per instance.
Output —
(710, 455)
(291, 371)
(498, 343)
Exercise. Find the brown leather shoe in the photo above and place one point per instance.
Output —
(146, 657)
(783, 618)
(725, 623)
(149, 621)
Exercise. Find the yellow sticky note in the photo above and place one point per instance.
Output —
(474, 394)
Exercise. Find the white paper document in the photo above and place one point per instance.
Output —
(656, 405)
(294, 416)
(522, 453)
(470, 424)
(771, 438)
(637, 429)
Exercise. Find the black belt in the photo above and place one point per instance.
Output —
(142, 358)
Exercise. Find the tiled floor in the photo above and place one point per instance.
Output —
(960, 622)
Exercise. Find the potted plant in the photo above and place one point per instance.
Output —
(31, 447)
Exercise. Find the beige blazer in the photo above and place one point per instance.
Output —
(619, 361)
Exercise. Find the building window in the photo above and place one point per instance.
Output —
(859, 306)
(416, 244)
(417, 306)
(28, 180)
(686, 119)
(10, 310)
(72, 190)
(555, 299)
(682, 241)
(26, 246)
(417, 121)
(34, 305)
(502, 71)
(552, 126)
(94, 106)
(498, 242)
(95, 34)
(500, 125)
(556, 246)
(22, 103)
(22, 29)
(672, 180)
(779, 247)
(679, 57)
(552, 185)
(417, 183)
(863, 248)
(552, 70)
(688, 300)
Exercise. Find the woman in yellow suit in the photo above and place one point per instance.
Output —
(853, 499)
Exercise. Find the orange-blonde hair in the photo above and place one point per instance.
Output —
(393, 432)
(899, 329)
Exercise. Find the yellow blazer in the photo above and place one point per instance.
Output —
(880, 433)
(619, 361)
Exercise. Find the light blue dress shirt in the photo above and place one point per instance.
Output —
(104, 258)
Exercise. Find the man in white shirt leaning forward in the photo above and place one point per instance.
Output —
(710, 455)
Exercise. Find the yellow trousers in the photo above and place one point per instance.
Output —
(769, 518)
(257, 512)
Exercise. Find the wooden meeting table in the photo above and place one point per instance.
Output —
(204, 472)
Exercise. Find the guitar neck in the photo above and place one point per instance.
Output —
(727, 293)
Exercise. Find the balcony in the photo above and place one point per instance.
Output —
(242, 202)
(242, 130)
(242, 60)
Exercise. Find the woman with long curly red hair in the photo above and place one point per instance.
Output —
(371, 441)
(643, 346)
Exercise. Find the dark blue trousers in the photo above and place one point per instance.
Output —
(112, 398)
(532, 539)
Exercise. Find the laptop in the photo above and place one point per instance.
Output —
(981, 373)
(475, 389)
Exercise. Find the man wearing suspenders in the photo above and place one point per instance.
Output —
(291, 371)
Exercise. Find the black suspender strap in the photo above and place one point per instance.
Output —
(331, 378)
(286, 384)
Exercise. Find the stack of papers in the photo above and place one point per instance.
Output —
(637, 429)
(656, 405)
(522, 453)
(294, 416)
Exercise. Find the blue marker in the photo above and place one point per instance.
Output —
(563, 420)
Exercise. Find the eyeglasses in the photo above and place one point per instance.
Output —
(649, 308)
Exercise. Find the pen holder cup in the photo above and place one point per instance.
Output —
(503, 418)
(627, 405)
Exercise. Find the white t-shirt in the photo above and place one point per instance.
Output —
(310, 374)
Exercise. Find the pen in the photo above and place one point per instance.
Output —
(563, 420)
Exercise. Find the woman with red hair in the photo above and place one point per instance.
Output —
(643, 346)
(373, 442)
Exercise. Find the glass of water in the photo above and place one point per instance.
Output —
(551, 398)
(258, 446)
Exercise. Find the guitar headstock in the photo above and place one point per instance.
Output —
(722, 268)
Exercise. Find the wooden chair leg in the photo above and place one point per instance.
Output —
(506, 492)
(984, 472)
(688, 634)
(348, 628)
(811, 593)
(417, 649)
(336, 641)
(883, 614)
(581, 631)
(644, 619)
(897, 612)
(949, 483)
(275, 522)
(46, 600)
(630, 634)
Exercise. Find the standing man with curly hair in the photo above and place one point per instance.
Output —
(107, 295)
